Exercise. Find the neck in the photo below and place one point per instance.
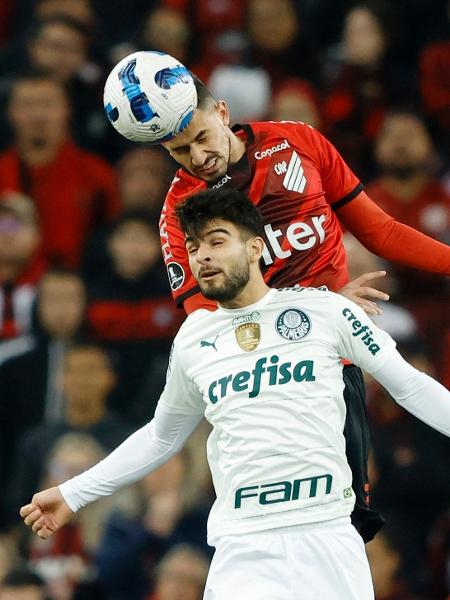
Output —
(405, 189)
(254, 291)
(82, 416)
(35, 155)
(10, 272)
(237, 148)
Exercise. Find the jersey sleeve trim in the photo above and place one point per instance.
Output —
(179, 300)
(349, 197)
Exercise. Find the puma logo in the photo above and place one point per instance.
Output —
(205, 343)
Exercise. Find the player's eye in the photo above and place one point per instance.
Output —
(191, 250)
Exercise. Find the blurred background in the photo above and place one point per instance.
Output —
(86, 316)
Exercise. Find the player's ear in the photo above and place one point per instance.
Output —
(255, 248)
(223, 112)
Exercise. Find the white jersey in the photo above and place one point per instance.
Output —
(268, 378)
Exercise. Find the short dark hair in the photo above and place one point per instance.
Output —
(229, 205)
(36, 75)
(135, 215)
(204, 97)
(60, 19)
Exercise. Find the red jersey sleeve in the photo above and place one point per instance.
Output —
(383, 235)
(182, 283)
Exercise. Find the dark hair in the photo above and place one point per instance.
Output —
(84, 343)
(33, 75)
(229, 205)
(61, 271)
(136, 215)
(204, 96)
(21, 576)
(60, 19)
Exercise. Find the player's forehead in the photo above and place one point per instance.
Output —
(211, 228)
(201, 121)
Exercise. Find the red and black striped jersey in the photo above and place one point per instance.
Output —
(296, 178)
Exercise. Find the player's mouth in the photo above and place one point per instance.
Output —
(209, 168)
(209, 274)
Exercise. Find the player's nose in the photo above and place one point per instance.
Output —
(203, 256)
(198, 156)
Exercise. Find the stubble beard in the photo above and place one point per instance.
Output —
(233, 284)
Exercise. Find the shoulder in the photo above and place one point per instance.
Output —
(91, 163)
(9, 155)
(284, 128)
(298, 292)
(316, 302)
(192, 326)
(183, 185)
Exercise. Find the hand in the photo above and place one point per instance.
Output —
(358, 292)
(46, 513)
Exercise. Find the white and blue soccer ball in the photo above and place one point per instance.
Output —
(150, 97)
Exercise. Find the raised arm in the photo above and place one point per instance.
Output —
(416, 392)
(383, 235)
(141, 453)
(372, 349)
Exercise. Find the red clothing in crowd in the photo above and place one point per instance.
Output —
(212, 22)
(16, 300)
(435, 81)
(6, 9)
(74, 194)
(428, 212)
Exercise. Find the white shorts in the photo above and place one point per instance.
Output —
(321, 561)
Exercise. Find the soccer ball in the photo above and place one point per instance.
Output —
(150, 97)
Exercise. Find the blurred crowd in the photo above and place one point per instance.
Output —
(86, 315)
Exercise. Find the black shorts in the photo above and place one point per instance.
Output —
(356, 432)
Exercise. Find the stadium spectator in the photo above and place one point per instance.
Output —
(395, 319)
(131, 311)
(167, 30)
(9, 554)
(88, 379)
(22, 583)
(278, 42)
(61, 46)
(413, 484)
(362, 81)
(245, 89)
(74, 191)
(433, 72)
(408, 189)
(217, 31)
(6, 10)
(31, 374)
(296, 100)
(385, 563)
(67, 563)
(143, 176)
(181, 575)
(28, 11)
(21, 266)
(131, 548)
(438, 558)
(406, 186)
